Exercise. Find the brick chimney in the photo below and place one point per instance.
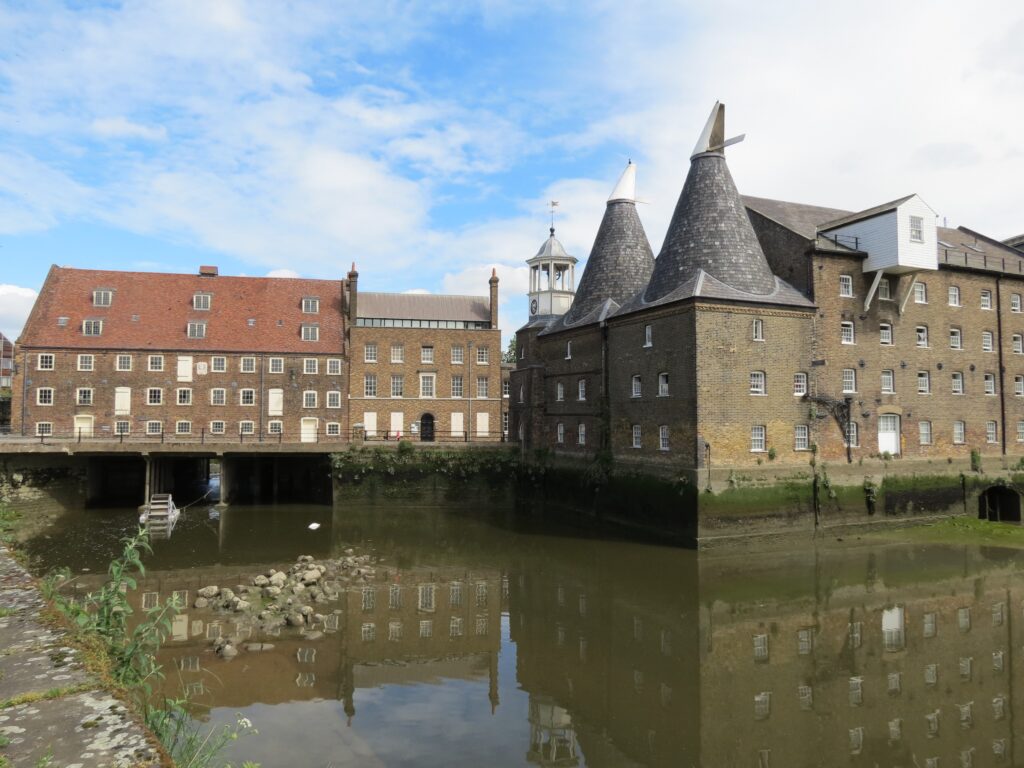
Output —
(353, 294)
(208, 271)
(494, 297)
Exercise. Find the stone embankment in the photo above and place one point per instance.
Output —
(52, 711)
(297, 598)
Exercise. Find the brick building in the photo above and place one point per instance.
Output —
(426, 366)
(212, 358)
(767, 330)
(6, 374)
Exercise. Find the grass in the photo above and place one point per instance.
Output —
(53, 693)
(959, 530)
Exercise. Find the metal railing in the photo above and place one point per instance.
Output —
(206, 437)
(1011, 265)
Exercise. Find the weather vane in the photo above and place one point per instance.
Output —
(553, 205)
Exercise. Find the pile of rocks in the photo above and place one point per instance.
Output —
(276, 599)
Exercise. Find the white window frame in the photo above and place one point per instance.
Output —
(310, 398)
(47, 400)
(560, 433)
(427, 353)
(959, 432)
(247, 365)
(581, 434)
(102, 297)
(847, 335)
(987, 341)
(86, 362)
(310, 305)
(846, 286)
(428, 385)
(370, 352)
(885, 334)
(310, 332)
(991, 432)
(458, 386)
(310, 366)
(196, 329)
(247, 393)
(334, 398)
(920, 292)
(924, 432)
(334, 366)
(884, 289)
(154, 427)
(46, 361)
(1018, 344)
(218, 394)
(800, 384)
(482, 387)
(122, 427)
(483, 355)
(247, 427)
(888, 381)
(581, 390)
(559, 393)
(663, 435)
(399, 380)
(458, 354)
(849, 381)
(183, 396)
(369, 385)
(183, 427)
(218, 427)
(758, 383)
(917, 229)
(851, 435)
(568, 350)
(159, 396)
(92, 327)
(1018, 386)
(986, 299)
(1015, 302)
(924, 382)
(218, 364)
(989, 380)
(757, 330)
(155, 363)
(44, 428)
(956, 338)
(801, 437)
(120, 361)
(637, 436)
(398, 353)
(648, 336)
(921, 336)
(275, 365)
(956, 382)
(663, 390)
(954, 295)
(758, 438)
(201, 301)
(636, 386)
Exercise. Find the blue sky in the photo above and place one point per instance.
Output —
(423, 140)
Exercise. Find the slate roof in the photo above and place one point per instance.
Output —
(151, 310)
(1015, 242)
(705, 286)
(619, 267)
(710, 232)
(553, 249)
(423, 306)
(798, 217)
(865, 214)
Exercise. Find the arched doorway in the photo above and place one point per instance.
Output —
(999, 503)
(427, 427)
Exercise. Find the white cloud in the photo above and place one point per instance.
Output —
(417, 291)
(283, 273)
(122, 128)
(15, 304)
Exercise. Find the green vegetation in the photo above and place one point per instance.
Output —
(960, 530)
(405, 462)
(125, 658)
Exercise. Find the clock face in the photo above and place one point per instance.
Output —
(533, 307)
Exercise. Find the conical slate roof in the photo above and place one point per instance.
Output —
(710, 230)
(621, 260)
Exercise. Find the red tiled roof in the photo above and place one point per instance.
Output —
(152, 310)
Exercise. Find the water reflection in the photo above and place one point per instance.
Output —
(482, 643)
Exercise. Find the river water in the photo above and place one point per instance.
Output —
(484, 639)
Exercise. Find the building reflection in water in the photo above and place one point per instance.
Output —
(641, 655)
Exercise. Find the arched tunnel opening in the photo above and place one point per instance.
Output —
(999, 503)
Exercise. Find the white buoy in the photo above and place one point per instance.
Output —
(314, 526)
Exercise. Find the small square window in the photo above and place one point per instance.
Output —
(86, 362)
(247, 365)
(102, 298)
(123, 363)
(483, 355)
(310, 366)
(334, 367)
(44, 396)
(218, 364)
(217, 427)
(154, 396)
(183, 427)
(154, 427)
(309, 399)
(92, 327)
(276, 365)
(310, 306)
(247, 427)
(426, 354)
(201, 301)
(218, 396)
(311, 333)
(247, 397)
(156, 362)
(197, 330)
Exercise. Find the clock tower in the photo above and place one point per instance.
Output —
(552, 279)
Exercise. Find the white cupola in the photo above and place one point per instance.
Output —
(552, 279)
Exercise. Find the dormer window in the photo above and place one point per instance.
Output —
(311, 333)
(92, 327)
(102, 297)
(197, 330)
(311, 305)
(201, 301)
(916, 229)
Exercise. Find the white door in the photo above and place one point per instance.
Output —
(307, 433)
(458, 425)
(83, 426)
(370, 423)
(483, 423)
(889, 433)
(185, 368)
(396, 424)
(275, 402)
(122, 401)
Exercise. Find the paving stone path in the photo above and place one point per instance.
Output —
(67, 720)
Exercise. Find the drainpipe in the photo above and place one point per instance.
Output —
(263, 361)
(849, 417)
(1002, 368)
